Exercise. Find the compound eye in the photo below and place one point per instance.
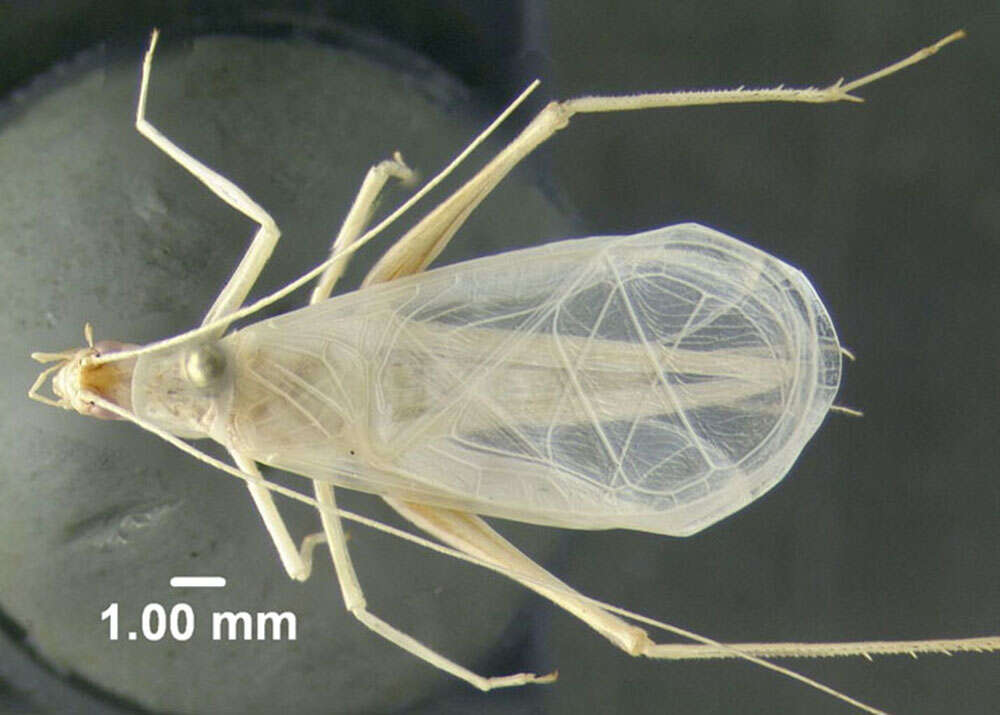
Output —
(204, 365)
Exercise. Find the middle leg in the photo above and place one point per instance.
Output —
(353, 595)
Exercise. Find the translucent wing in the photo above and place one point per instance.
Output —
(656, 382)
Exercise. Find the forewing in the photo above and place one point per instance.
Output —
(657, 382)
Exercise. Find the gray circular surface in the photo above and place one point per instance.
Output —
(98, 225)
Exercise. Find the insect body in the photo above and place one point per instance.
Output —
(654, 382)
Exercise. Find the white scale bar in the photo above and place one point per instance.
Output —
(197, 582)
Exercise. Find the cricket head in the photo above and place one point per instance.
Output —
(77, 378)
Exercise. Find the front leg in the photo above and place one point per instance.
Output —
(296, 561)
(264, 240)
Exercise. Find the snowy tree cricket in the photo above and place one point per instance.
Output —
(102, 380)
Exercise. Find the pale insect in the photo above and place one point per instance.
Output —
(656, 382)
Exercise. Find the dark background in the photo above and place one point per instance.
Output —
(887, 526)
